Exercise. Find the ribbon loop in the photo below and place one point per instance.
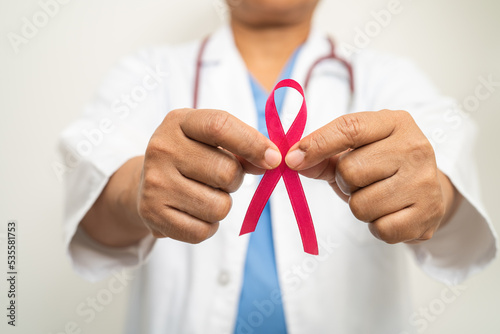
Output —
(290, 177)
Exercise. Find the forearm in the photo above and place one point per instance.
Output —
(113, 220)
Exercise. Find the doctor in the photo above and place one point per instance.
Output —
(170, 184)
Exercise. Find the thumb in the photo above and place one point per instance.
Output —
(325, 170)
(346, 132)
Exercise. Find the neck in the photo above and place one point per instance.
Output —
(266, 50)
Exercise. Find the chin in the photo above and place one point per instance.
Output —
(271, 12)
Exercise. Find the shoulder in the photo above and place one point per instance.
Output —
(159, 62)
(381, 76)
(374, 63)
(159, 55)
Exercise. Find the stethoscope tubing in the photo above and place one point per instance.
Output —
(331, 55)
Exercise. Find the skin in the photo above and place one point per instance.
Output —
(379, 162)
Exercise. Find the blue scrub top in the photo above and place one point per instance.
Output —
(257, 311)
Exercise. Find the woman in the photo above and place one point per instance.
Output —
(156, 185)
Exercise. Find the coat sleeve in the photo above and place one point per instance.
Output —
(115, 127)
(468, 242)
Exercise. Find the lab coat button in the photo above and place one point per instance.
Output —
(223, 278)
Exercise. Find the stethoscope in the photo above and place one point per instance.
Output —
(331, 55)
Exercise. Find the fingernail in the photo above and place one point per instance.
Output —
(272, 157)
(295, 158)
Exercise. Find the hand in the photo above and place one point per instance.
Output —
(384, 166)
(193, 161)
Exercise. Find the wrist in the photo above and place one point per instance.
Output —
(128, 199)
(451, 198)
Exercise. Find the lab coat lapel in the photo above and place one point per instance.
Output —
(224, 79)
(315, 47)
(225, 85)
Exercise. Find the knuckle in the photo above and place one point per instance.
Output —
(177, 113)
(389, 237)
(146, 204)
(358, 207)
(386, 233)
(402, 117)
(421, 152)
(427, 235)
(348, 169)
(251, 145)
(429, 179)
(152, 180)
(221, 206)
(172, 226)
(402, 114)
(391, 240)
(217, 123)
(158, 149)
(158, 226)
(166, 226)
(155, 146)
(318, 142)
(199, 234)
(173, 119)
(157, 234)
(350, 126)
(229, 173)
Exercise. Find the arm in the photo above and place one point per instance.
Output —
(384, 166)
(465, 241)
(180, 188)
(113, 220)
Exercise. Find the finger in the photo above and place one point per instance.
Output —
(325, 170)
(247, 166)
(199, 200)
(213, 166)
(366, 165)
(348, 131)
(379, 199)
(219, 128)
(400, 226)
(250, 168)
(181, 226)
(339, 192)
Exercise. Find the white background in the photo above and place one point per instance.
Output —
(44, 86)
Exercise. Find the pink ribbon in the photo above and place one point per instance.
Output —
(290, 177)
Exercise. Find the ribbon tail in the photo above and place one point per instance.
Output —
(301, 211)
(259, 200)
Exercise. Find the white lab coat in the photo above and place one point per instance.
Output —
(357, 284)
